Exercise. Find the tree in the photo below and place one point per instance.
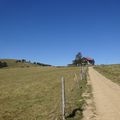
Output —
(3, 64)
(78, 59)
(0, 64)
(23, 60)
(78, 56)
(93, 62)
(17, 61)
(34, 63)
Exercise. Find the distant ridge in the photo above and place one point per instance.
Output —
(13, 63)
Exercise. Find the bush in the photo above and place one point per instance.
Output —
(3, 64)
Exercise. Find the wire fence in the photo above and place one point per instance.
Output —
(69, 106)
(72, 95)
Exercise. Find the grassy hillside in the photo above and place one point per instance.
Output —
(110, 71)
(13, 64)
(35, 93)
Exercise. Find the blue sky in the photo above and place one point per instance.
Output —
(53, 31)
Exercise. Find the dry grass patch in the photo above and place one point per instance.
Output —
(35, 93)
(110, 71)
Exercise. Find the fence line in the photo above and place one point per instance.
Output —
(83, 71)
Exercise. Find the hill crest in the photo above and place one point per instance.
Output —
(12, 63)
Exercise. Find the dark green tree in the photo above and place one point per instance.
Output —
(78, 59)
(23, 60)
(3, 64)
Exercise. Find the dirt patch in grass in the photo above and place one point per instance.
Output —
(89, 112)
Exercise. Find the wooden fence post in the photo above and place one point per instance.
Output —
(81, 72)
(63, 98)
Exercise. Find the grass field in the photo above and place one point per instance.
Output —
(12, 63)
(34, 93)
(110, 71)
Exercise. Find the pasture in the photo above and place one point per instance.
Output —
(34, 93)
(110, 71)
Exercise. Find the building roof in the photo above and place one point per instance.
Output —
(88, 58)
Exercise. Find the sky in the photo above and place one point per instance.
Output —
(54, 31)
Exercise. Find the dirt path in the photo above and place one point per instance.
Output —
(106, 96)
